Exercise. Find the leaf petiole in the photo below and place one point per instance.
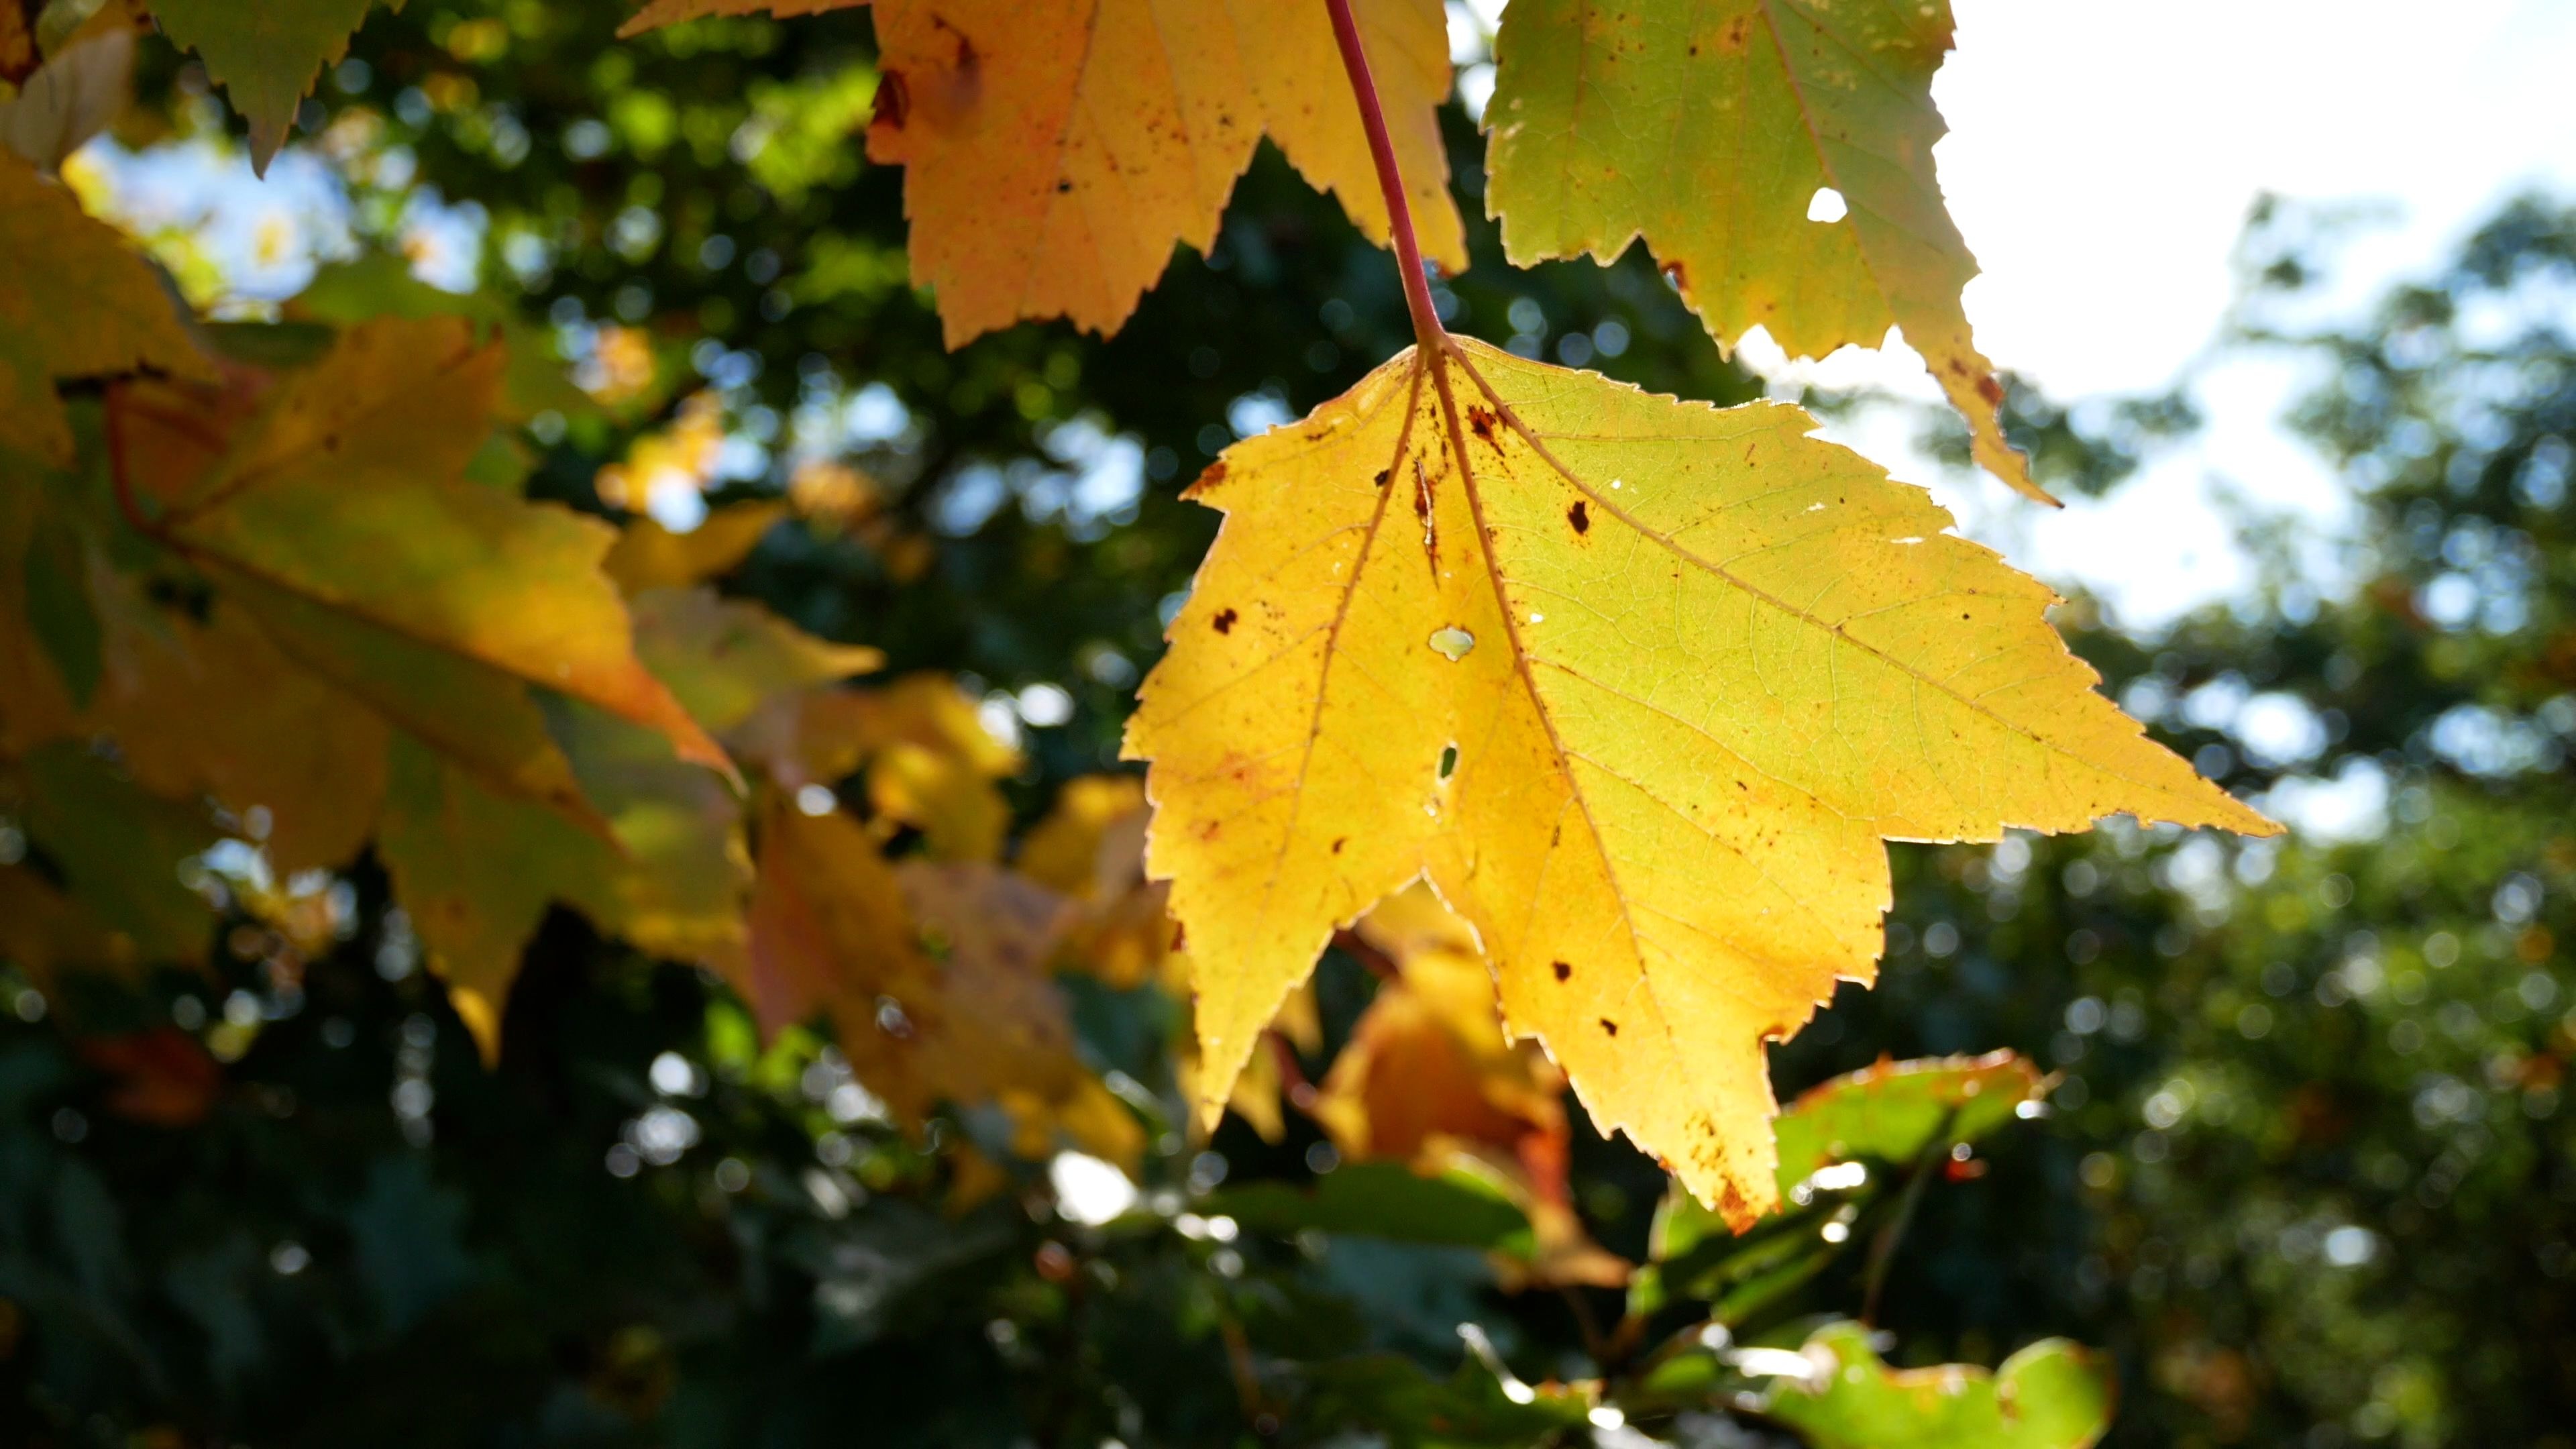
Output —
(1390, 181)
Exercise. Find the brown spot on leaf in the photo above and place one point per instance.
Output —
(1338, 842)
(1212, 475)
(1480, 421)
(1180, 937)
(1563, 971)
(1382, 475)
(1224, 621)
(1580, 517)
(1991, 390)
(1738, 34)
(1609, 1026)
(1678, 275)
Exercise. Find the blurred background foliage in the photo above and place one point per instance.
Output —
(2308, 1175)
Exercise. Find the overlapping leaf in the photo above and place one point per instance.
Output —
(75, 301)
(266, 56)
(342, 522)
(1640, 685)
(933, 973)
(1712, 130)
(1428, 1077)
(1055, 152)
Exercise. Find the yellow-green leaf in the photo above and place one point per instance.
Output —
(1715, 131)
(75, 301)
(2050, 1395)
(214, 708)
(265, 55)
(723, 657)
(475, 870)
(1640, 685)
(119, 849)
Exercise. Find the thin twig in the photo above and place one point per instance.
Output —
(1882, 1248)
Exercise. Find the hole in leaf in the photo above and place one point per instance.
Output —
(1448, 761)
(1827, 205)
(1452, 643)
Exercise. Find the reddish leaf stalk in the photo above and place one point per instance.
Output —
(1390, 181)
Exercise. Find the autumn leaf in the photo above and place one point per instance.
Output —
(1001, 1031)
(1091, 840)
(1640, 685)
(162, 1076)
(266, 56)
(75, 301)
(341, 521)
(1055, 152)
(649, 556)
(1775, 154)
(214, 708)
(935, 976)
(1428, 1077)
(930, 764)
(477, 869)
(118, 848)
(723, 657)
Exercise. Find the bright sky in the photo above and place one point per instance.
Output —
(2101, 161)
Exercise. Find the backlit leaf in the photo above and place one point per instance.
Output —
(1715, 131)
(213, 708)
(1640, 685)
(723, 657)
(119, 849)
(934, 973)
(649, 556)
(1894, 1111)
(476, 871)
(1428, 1078)
(75, 301)
(1055, 152)
(267, 55)
(343, 524)
(2050, 1395)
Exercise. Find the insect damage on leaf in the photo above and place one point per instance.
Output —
(1684, 732)
(1054, 153)
(1775, 154)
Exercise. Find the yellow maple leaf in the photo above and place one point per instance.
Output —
(934, 975)
(931, 765)
(1776, 154)
(1429, 1079)
(75, 301)
(1054, 152)
(1640, 685)
(1089, 845)
(649, 556)
(343, 523)
(214, 708)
